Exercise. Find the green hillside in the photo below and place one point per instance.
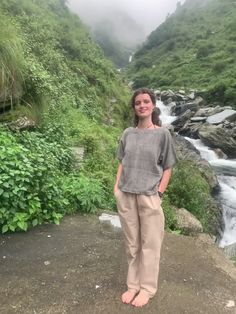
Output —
(54, 75)
(195, 48)
(48, 58)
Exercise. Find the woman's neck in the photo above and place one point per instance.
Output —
(145, 124)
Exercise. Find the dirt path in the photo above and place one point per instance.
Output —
(79, 267)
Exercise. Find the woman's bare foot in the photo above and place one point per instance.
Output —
(141, 299)
(128, 296)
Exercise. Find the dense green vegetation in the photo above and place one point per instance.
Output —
(47, 56)
(193, 49)
(193, 195)
(53, 73)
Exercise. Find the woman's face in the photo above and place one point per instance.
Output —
(143, 106)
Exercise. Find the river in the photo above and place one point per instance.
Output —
(225, 170)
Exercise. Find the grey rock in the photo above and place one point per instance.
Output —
(182, 107)
(218, 118)
(191, 129)
(220, 154)
(191, 95)
(187, 222)
(216, 137)
(22, 123)
(180, 121)
(230, 250)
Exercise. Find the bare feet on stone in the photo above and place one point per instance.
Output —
(141, 299)
(127, 296)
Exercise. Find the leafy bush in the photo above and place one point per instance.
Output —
(188, 189)
(31, 180)
(84, 194)
(219, 66)
(204, 50)
(230, 96)
(170, 218)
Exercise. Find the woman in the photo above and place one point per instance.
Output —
(146, 156)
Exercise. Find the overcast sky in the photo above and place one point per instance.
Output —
(148, 13)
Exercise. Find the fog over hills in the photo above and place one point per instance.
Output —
(147, 13)
(128, 22)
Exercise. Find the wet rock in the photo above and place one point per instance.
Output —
(190, 129)
(220, 154)
(216, 137)
(181, 108)
(182, 119)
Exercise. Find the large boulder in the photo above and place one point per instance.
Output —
(183, 107)
(193, 105)
(218, 118)
(210, 111)
(217, 137)
(182, 119)
(187, 222)
(190, 129)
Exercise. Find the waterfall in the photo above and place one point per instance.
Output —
(165, 116)
(225, 170)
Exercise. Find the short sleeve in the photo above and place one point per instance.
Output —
(168, 155)
(121, 148)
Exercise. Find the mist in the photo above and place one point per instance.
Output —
(121, 26)
(148, 14)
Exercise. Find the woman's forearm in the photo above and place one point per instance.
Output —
(119, 170)
(165, 180)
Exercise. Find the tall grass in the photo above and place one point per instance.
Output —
(11, 62)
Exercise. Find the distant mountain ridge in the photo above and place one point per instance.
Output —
(195, 48)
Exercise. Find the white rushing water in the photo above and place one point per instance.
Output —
(226, 174)
(165, 116)
(225, 170)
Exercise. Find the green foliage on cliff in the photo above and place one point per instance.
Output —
(194, 194)
(53, 73)
(47, 58)
(193, 49)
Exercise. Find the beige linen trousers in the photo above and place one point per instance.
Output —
(142, 221)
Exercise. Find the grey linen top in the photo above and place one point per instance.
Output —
(144, 154)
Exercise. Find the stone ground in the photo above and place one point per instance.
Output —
(80, 266)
